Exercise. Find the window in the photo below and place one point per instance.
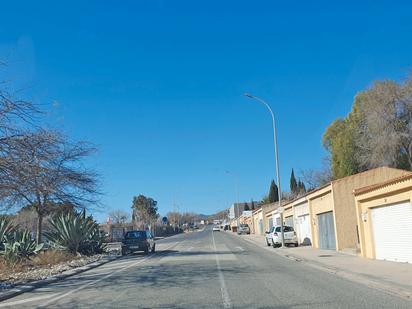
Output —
(288, 229)
(285, 229)
(135, 235)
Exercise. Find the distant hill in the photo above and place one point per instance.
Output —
(201, 217)
(221, 215)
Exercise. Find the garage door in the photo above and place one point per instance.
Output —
(303, 227)
(326, 231)
(260, 227)
(289, 221)
(270, 223)
(392, 232)
(276, 219)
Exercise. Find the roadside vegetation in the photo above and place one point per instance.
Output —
(72, 236)
(376, 132)
(45, 188)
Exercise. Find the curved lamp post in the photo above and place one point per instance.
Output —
(276, 157)
(237, 194)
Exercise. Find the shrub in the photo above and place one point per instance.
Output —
(10, 252)
(6, 230)
(27, 245)
(75, 233)
(19, 245)
(52, 257)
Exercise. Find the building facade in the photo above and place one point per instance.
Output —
(384, 215)
(332, 209)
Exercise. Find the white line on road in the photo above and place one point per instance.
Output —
(27, 300)
(240, 248)
(101, 279)
(225, 294)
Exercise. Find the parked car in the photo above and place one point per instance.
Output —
(243, 229)
(216, 228)
(138, 241)
(274, 236)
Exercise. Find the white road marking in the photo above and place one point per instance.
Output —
(101, 279)
(23, 301)
(223, 289)
(240, 248)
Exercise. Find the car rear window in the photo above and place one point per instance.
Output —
(135, 235)
(285, 229)
(243, 225)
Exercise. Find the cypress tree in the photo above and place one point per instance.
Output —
(301, 187)
(273, 192)
(293, 183)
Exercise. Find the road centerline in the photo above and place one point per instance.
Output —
(225, 295)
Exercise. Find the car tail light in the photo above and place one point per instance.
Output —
(294, 233)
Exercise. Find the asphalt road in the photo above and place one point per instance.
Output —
(206, 270)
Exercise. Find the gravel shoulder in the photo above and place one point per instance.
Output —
(34, 273)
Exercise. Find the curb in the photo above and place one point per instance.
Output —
(58, 277)
(358, 278)
(55, 278)
(388, 288)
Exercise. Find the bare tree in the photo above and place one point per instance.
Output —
(385, 134)
(377, 137)
(14, 115)
(119, 216)
(42, 168)
(316, 178)
(174, 217)
(14, 112)
(26, 219)
(406, 117)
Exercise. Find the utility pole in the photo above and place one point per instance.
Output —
(175, 214)
(277, 160)
(237, 196)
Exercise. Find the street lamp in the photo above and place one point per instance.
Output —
(237, 195)
(277, 160)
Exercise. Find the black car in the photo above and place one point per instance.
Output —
(138, 241)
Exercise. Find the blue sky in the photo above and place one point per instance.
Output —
(157, 85)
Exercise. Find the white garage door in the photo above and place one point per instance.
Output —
(276, 219)
(305, 236)
(392, 232)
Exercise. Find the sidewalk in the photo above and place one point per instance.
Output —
(391, 277)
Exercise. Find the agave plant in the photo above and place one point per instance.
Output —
(75, 233)
(27, 245)
(18, 245)
(10, 252)
(6, 231)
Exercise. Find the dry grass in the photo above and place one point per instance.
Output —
(52, 257)
(42, 260)
(6, 268)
